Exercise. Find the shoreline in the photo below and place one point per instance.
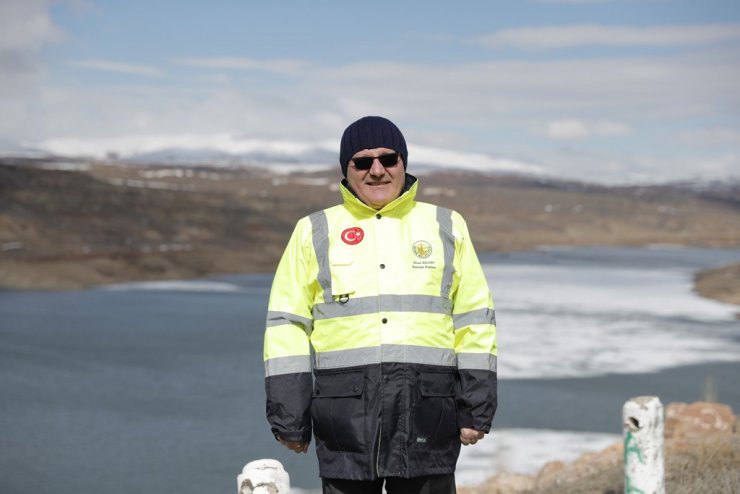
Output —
(721, 284)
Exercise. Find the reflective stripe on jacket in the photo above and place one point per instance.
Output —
(391, 311)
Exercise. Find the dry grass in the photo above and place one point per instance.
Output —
(703, 465)
(708, 466)
(607, 481)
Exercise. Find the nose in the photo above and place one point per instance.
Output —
(377, 169)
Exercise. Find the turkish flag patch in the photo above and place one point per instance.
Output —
(352, 236)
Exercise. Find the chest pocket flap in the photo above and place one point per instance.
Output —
(343, 279)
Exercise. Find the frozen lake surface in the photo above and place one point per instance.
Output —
(154, 387)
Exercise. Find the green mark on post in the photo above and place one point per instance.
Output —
(631, 447)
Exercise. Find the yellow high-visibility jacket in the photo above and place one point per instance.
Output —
(391, 311)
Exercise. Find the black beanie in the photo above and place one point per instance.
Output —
(371, 133)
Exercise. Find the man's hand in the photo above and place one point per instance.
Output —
(295, 446)
(470, 436)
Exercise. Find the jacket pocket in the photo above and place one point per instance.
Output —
(435, 413)
(341, 264)
(338, 410)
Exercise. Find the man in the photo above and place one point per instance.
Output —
(384, 300)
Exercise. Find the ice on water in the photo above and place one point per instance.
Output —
(176, 286)
(525, 451)
(573, 321)
(566, 321)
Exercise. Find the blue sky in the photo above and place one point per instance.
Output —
(598, 90)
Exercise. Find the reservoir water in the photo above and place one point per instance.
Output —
(158, 387)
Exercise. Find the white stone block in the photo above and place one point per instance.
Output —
(263, 477)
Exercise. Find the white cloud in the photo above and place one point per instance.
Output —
(482, 94)
(718, 165)
(118, 67)
(588, 35)
(284, 66)
(711, 136)
(576, 129)
(128, 146)
(721, 166)
(590, 2)
(25, 27)
(469, 161)
(567, 129)
(611, 129)
(512, 108)
(268, 150)
(642, 166)
(215, 79)
(132, 145)
(488, 109)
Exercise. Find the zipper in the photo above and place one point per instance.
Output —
(377, 459)
(380, 421)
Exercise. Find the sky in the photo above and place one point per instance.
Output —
(606, 91)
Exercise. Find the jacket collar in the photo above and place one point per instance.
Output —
(397, 207)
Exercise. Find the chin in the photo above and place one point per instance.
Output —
(378, 202)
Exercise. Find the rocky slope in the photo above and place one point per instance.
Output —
(702, 449)
(72, 225)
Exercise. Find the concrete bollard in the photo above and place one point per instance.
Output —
(642, 422)
(263, 477)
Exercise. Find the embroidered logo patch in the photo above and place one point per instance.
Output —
(352, 236)
(422, 249)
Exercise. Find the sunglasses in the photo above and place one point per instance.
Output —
(366, 162)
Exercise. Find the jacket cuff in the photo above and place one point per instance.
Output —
(302, 436)
(476, 399)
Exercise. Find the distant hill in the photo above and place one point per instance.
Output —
(74, 224)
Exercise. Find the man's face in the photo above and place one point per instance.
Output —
(379, 185)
